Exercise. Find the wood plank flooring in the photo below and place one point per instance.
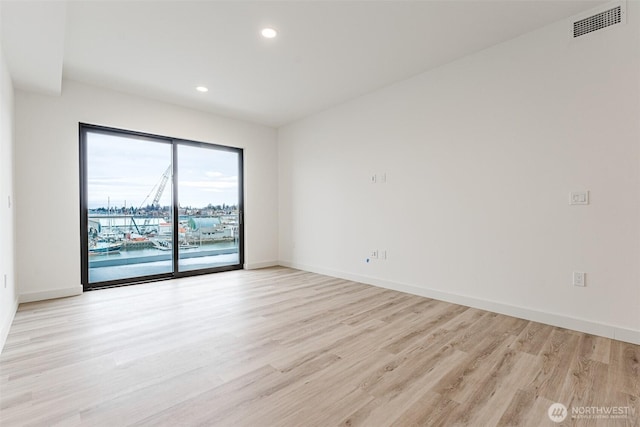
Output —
(281, 347)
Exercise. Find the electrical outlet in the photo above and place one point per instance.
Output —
(378, 178)
(579, 278)
(373, 254)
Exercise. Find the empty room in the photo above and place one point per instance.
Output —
(320, 213)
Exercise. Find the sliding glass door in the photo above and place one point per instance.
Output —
(154, 207)
(208, 208)
(128, 206)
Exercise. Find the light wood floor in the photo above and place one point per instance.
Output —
(280, 347)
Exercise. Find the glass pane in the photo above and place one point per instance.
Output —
(208, 208)
(129, 207)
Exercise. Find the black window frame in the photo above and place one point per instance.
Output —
(84, 129)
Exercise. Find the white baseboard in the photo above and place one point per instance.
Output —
(258, 265)
(56, 293)
(7, 321)
(581, 325)
(627, 335)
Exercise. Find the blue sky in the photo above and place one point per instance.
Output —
(129, 169)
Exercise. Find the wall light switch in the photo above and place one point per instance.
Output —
(579, 278)
(579, 198)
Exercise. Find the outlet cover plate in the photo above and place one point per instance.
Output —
(579, 278)
(579, 198)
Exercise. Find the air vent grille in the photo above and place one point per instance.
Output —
(597, 22)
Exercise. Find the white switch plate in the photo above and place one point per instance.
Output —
(373, 178)
(374, 254)
(579, 278)
(579, 198)
(383, 254)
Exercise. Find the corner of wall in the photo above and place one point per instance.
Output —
(8, 282)
(7, 321)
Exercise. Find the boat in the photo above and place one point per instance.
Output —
(109, 236)
(165, 245)
(105, 248)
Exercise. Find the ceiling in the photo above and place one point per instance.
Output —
(326, 52)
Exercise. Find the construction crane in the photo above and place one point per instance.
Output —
(156, 200)
(161, 186)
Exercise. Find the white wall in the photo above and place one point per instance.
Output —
(47, 176)
(8, 292)
(480, 156)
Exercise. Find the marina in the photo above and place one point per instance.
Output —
(121, 245)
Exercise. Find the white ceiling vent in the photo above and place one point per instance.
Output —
(612, 14)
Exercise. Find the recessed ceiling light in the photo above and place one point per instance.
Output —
(202, 89)
(269, 33)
